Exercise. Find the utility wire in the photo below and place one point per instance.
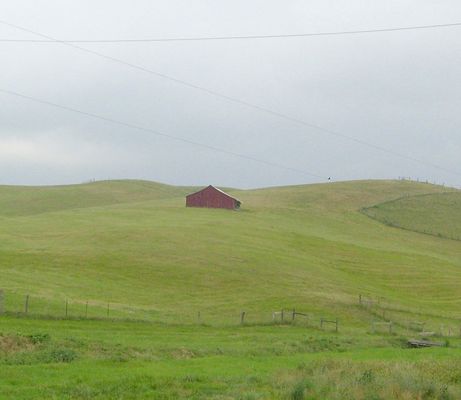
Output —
(257, 107)
(243, 37)
(159, 133)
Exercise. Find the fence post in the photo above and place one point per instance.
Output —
(26, 304)
(242, 317)
(321, 323)
(293, 315)
(2, 296)
(360, 299)
(336, 325)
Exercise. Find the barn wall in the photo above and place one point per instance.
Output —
(210, 198)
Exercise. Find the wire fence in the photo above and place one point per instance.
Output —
(392, 319)
(384, 318)
(26, 305)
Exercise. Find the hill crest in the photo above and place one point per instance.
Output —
(29, 200)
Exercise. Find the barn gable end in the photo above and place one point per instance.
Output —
(211, 197)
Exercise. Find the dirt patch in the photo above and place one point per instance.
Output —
(183, 354)
(11, 344)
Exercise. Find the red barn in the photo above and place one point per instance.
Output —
(212, 197)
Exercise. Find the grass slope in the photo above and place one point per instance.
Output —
(29, 200)
(433, 214)
(135, 245)
(306, 247)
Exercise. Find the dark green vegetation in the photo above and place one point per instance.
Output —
(134, 244)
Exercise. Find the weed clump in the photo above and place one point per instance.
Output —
(298, 392)
(39, 338)
(62, 355)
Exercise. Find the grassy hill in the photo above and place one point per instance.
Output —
(433, 214)
(29, 200)
(134, 245)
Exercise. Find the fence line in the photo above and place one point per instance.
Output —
(14, 303)
(329, 321)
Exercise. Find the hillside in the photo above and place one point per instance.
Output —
(29, 200)
(135, 245)
(433, 214)
(133, 296)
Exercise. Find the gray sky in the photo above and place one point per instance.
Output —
(399, 90)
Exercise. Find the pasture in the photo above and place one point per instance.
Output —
(177, 279)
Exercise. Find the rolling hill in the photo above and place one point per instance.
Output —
(29, 200)
(117, 273)
(135, 245)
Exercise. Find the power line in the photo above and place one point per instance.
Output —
(257, 107)
(159, 133)
(243, 37)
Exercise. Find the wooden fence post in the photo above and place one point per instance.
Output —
(26, 304)
(242, 317)
(321, 323)
(2, 296)
(293, 315)
(360, 299)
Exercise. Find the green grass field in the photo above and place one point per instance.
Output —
(436, 214)
(146, 266)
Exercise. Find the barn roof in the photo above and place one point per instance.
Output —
(219, 190)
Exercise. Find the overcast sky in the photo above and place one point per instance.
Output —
(399, 90)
